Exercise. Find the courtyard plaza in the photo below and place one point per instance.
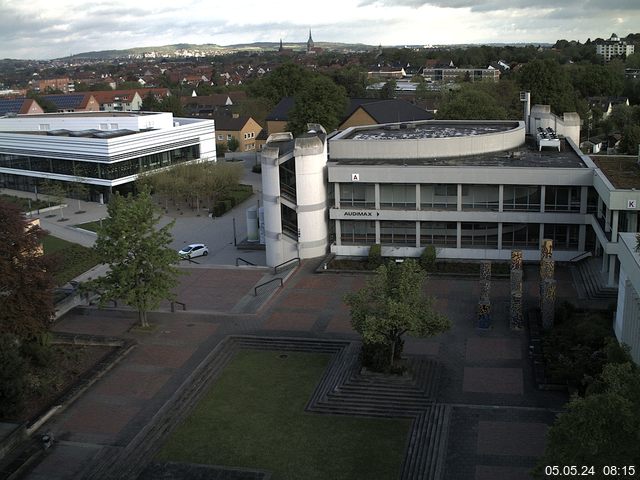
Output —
(498, 420)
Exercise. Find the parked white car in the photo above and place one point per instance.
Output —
(194, 250)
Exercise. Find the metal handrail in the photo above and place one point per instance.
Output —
(275, 269)
(583, 255)
(245, 261)
(255, 290)
(173, 308)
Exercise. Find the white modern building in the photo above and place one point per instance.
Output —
(473, 189)
(614, 47)
(106, 151)
(627, 321)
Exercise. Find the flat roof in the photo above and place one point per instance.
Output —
(622, 171)
(441, 129)
(526, 156)
(87, 114)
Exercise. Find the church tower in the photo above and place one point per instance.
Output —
(310, 43)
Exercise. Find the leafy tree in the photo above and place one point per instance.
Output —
(393, 303)
(78, 186)
(354, 80)
(285, 81)
(221, 149)
(56, 192)
(320, 101)
(171, 104)
(388, 90)
(422, 92)
(549, 84)
(233, 144)
(12, 376)
(150, 103)
(47, 105)
(606, 423)
(470, 104)
(630, 142)
(26, 305)
(142, 267)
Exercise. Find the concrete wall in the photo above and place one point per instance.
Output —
(345, 148)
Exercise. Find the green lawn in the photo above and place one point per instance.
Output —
(254, 417)
(70, 259)
(91, 226)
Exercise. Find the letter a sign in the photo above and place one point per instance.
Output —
(355, 177)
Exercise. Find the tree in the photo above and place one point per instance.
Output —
(142, 267)
(26, 305)
(354, 80)
(320, 101)
(233, 144)
(469, 103)
(285, 81)
(393, 303)
(150, 103)
(630, 142)
(606, 421)
(549, 84)
(12, 376)
(388, 90)
(171, 104)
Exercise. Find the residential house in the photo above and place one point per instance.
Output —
(367, 111)
(119, 100)
(244, 129)
(614, 47)
(606, 104)
(19, 106)
(74, 102)
(64, 84)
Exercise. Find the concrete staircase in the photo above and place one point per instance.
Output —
(343, 390)
(590, 282)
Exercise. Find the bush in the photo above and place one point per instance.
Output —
(375, 257)
(428, 258)
(12, 376)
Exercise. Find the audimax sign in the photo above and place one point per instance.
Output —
(360, 213)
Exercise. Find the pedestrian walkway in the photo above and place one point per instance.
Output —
(497, 420)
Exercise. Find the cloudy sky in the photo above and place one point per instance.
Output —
(43, 29)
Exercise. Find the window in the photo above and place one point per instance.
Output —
(44, 126)
(220, 137)
(565, 237)
(438, 234)
(439, 197)
(481, 235)
(289, 222)
(521, 198)
(480, 197)
(520, 235)
(357, 195)
(398, 233)
(229, 137)
(562, 199)
(104, 126)
(353, 232)
(398, 196)
(114, 126)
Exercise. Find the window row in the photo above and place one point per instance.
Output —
(474, 197)
(105, 171)
(445, 234)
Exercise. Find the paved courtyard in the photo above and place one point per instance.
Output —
(499, 418)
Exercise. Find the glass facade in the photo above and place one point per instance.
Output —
(360, 195)
(520, 235)
(565, 237)
(357, 233)
(289, 221)
(521, 198)
(288, 179)
(562, 199)
(100, 170)
(480, 197)
(401, 196)
(439, 197)
(398, 233)
(439, 234)
(479, 235)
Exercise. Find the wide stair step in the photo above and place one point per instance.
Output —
(425, 456)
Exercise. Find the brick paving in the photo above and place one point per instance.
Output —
(498, 420)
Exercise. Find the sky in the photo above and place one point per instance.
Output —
(45, 29)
